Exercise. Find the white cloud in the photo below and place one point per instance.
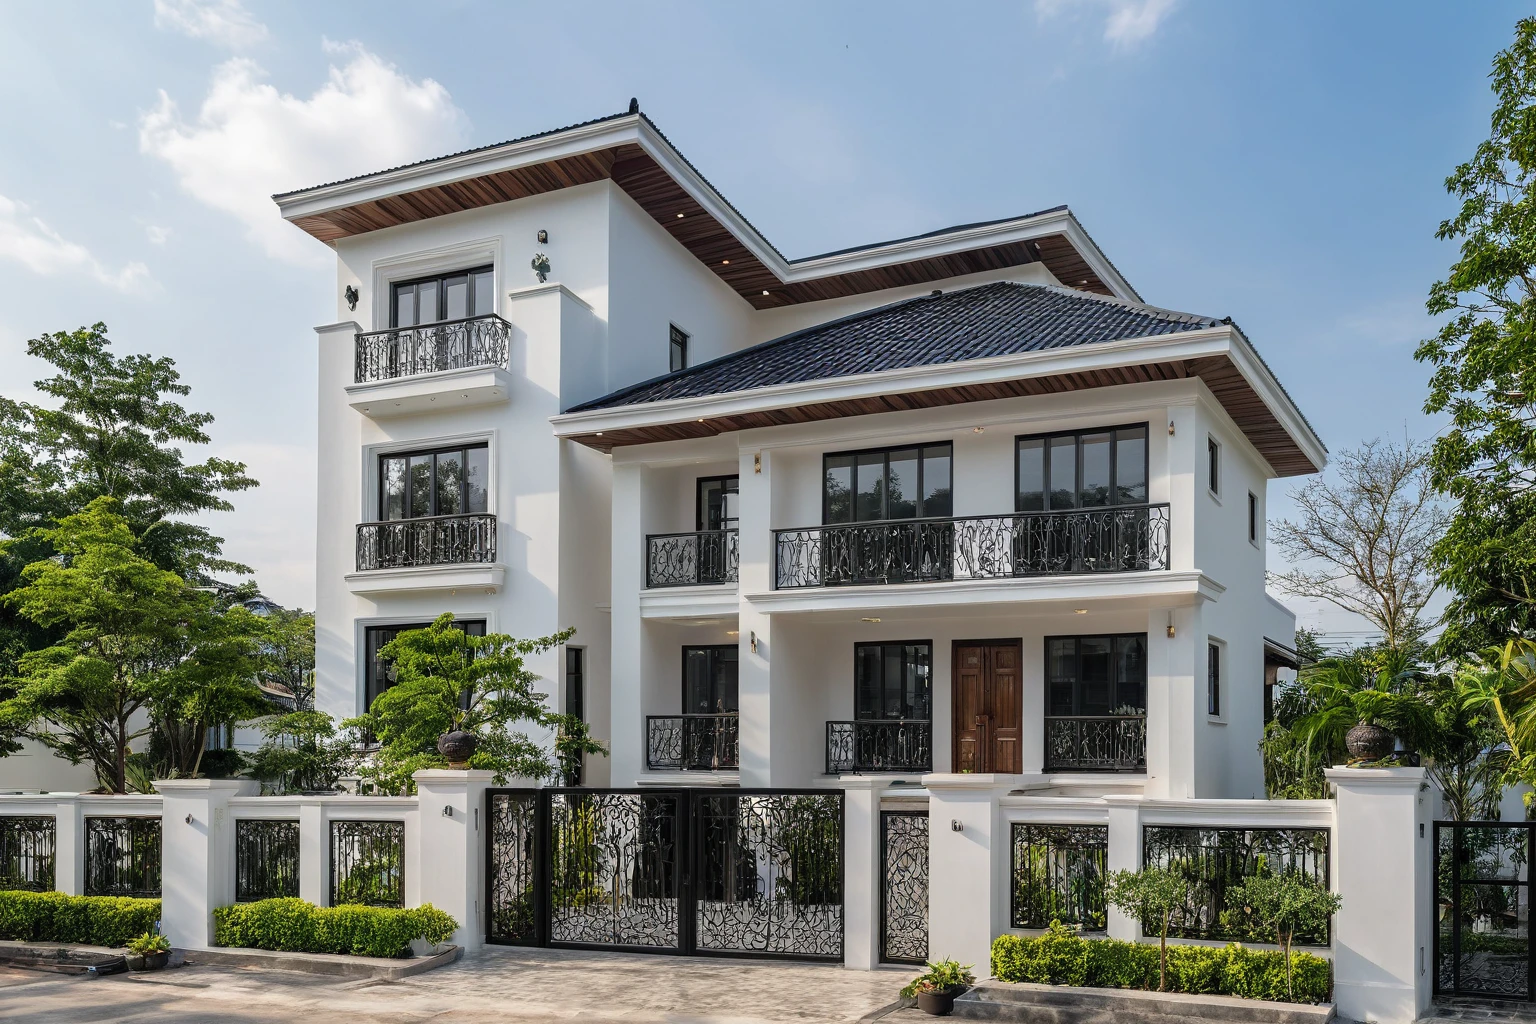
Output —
(249, 141)
(27, 240)
(223, 22)
(157, 234)
(1127, 24)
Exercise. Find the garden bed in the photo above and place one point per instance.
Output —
(1063, 1004)
(338, 965)
(62, 957)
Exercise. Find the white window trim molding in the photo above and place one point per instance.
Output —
(1256, 529)
(425, 262)
(1221, 470)
(370, 467)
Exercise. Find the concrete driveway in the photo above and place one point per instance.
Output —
(495, 984)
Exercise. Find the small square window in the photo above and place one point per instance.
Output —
(679, 346)
(1213, 680)
(1213, 452)
(1253, 518)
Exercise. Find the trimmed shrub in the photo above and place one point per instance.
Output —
(1061, 958)
(292, 925)
(89, 920)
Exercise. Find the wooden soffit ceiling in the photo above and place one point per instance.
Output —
(660, 195)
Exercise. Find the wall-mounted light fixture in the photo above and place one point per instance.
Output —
(955, 825)
(448, 810)
(189, 819)
(1171, 633)
(757, 462)
(350, 294)
(1170, 428)
(543, 236)
(753, 637)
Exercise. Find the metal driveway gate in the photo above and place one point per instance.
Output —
(903, 887)
(706, 872)
(1482, 909)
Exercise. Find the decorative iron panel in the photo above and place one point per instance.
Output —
(1096, 743)
(368, 863)
(879, 745)
(427, 540)
(122, 857)
(691, 559)
(615, 869)
(693, 742)
(1482, 941)
(432, 348)
(1117, 539)
(768, 873)
(27, 852)
(512, 838)
(1058, 874)
(1215, 859)
(904, 887)
(266, 859)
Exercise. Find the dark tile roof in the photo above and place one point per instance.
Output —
(931, 330)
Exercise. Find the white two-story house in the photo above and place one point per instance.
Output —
(961, 502)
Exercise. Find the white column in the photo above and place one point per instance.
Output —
(69, 847)
(1124, 854)
(756, 643)
(967, 866)
(626, 687)
(861, 871)
(1381, 868)
(197, 855)
(451, 865)
(314, 853)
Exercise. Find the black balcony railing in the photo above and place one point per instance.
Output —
(1096, 743)
(448, 345)
(693, 742)
(428, 540)
(689, 559)
(880, 745)
(1121, 539)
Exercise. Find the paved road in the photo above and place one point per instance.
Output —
(495, 984)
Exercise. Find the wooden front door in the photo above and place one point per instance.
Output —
(987, 700)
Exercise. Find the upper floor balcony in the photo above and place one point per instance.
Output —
(450, 363)
(427, 553)
(691, 559)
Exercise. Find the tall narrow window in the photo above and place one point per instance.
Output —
(709, 680)
(895, 483)
(717, 503)
(576, 699)
(1213, 680)
(1091, 470)
(1253, 518)
(455, 296)
(678, 345)
(1213, 454)
(893, 681)
(446, 482)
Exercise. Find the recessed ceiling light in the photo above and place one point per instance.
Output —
(868, 618)
(680, 216)
(733, 632)
(599, 433)
(701, 419)
(978, 430)
(725, 263)
(1081, 611)
(765, 291)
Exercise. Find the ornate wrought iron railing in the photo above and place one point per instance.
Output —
(427, 540)
(266, 859)
(448, 345)
(690, 559)
(1096, 743)
(122, 857)
(1119, 539)
(368, 863)
(880, 745)
(1058, 874)
(27, 852)
(693, 742)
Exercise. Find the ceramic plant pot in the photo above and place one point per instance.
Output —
(938, 1002)
(1369, 742)
(458, 747)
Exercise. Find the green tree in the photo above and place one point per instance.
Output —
(1285, 904)
(212, 684)
(1484, 359)
(1151, 894)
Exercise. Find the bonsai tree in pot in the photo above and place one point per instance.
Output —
(1367, 711)
(1285, 904)
(1151, 894)
(937, 987)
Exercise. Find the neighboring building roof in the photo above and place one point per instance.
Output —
(946, 327)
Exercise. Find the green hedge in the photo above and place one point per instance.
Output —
(296, 926)
(91, 920)
(1062, 958)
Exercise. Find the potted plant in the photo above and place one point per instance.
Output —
(1366, 708)
(149, 952)
(937, 987)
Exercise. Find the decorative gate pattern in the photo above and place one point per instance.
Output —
(266, 859)
(368, 863)
(1058, 875)
(1482, 909)
(122, 857)
(27, 852)
(511, 857)
(903, 887)
(614, 869)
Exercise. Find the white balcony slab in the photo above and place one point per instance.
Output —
(487, 577)
(431, 392)
(709, 601)
(673, 780)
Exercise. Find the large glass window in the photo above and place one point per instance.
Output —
(446, 482)
(1088, 470)
(717, 503)
(379, 674)
(893, 681)
(709, 680)
(894, 483)
(454, 296)
(1096, 675)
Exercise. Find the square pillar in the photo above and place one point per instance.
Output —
(197, 855)
(967, 866)
(69, 847)
(755, 570)
(626, 688)
(451, 865)
(1381, 867)
(314, 854)
(861, 871)
(1124, 854)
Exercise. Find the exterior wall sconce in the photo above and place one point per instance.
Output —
(543, 236)
(1171, 633)
(955, 825)
(351, 296)
(447, 810)
(753, 637)
(1170, 428)
(189, 819)
(757, 462)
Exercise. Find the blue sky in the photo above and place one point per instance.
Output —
(1280, 163)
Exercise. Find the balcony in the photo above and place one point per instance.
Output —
(693, 742)
(1022, 544)
(879, 745)
(451, 364)
(427, 553)
(691, 559)
(1096, 743)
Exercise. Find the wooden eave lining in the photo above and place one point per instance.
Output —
(1242, 403)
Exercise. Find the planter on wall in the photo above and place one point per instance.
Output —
(1367, 742)
(458, 747)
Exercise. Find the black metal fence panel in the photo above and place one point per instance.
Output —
(122, 857)
(266, 859)
(903, 887)
(368, 863)
(1215, 859)
(1482, 941)
(616, 869)
(27, 852)
(512, 835)
(1058, 874)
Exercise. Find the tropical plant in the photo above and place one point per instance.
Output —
(1361, 690)
(1284, 904)
(149, 943)
(1501, 684)
(940, 976)
(1151, 894)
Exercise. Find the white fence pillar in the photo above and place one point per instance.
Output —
(197, 856)
(861, 871)
(967, 866)
(69, 847)
(1382, 858)
(314, 853)
(1124, 854)
(452, 845)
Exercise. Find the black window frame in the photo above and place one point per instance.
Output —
(1213, 468)
(727, 523)
(677, 348)
(463, 449)
(1253, 518)
(858, 715)
(918, 446)
(714, 649)
(1213, 679)
(1116, 700)
(370, 658)
(442, 295)
(1114, 466)
(576, 702)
